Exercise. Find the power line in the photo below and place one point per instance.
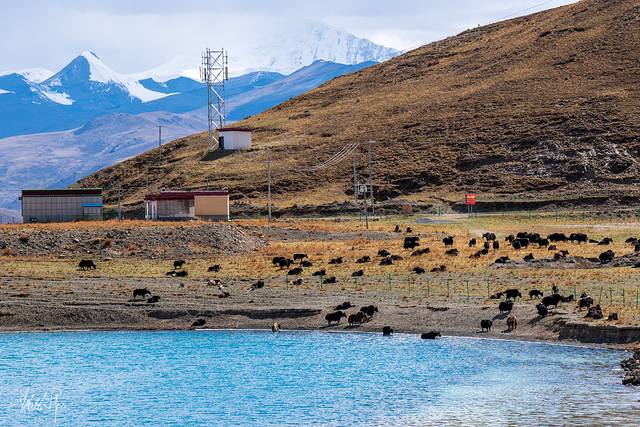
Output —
(520, 12)
(333, 160)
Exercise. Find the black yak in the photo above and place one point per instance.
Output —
(430, 335)
(334, 317)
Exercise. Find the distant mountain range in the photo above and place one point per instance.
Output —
(58, 127)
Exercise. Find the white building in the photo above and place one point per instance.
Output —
(234, 138)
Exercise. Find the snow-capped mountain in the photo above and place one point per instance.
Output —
(84, 89)
(308, 42)
(87, 74)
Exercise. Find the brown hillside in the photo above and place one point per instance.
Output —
(544, 107)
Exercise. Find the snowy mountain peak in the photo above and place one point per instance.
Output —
(90, 55)
(98, 70)
(310, 41)
(87, 69)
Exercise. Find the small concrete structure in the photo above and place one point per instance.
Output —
(185, 205)
(62, 205)
(234, 138)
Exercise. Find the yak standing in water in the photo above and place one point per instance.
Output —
(430, 335)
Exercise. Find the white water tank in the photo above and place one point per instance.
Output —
(234, 138)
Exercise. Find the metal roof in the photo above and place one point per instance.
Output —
(63, 192)
(232, 129)
(184, 195)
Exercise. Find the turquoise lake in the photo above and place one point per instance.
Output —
(205, 378)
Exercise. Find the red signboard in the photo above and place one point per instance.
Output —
(470, 200)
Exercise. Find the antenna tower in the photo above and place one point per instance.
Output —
(215, 72)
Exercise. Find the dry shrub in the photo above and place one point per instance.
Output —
(6, 252)
(23, 239)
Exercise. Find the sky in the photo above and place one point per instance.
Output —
(132, 36)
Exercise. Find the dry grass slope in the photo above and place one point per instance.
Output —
(544, 108)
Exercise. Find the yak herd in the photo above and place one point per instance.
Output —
(489, 243)
(365, 314)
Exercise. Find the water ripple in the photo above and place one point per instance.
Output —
(309, 378)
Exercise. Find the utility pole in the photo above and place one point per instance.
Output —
(119, 207)
(369, 155)
(366, 212)
(119, 189)
(355, 180)
(269, 186)
(159, 144)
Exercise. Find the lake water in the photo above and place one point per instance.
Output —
(309, 378)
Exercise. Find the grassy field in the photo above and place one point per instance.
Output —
(465, 279)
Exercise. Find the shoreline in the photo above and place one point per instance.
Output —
(106, 305)
(475, 336)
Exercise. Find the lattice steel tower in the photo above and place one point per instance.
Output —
(215, 72)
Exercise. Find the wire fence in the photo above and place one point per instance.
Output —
(451, 287)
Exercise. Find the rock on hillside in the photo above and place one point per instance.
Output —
(542, 109)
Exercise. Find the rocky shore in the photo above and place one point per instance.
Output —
(631, 367)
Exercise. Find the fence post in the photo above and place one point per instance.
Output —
(409, 282)
(389, 280)
(428, 289)
(321, 279)
(286, 281)
(623, 297)
(467, 289)
(488, 291)
(611, 295)
(355, 282)
(448, 289)
(575, 296)
(637, 298)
